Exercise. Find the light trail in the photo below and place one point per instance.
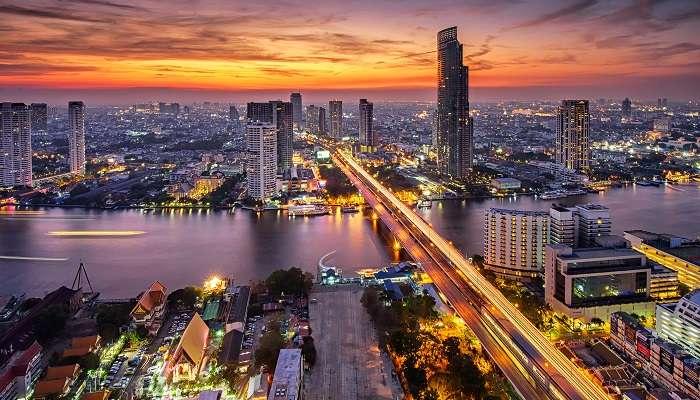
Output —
(561, 371)
(20, 258)
(95, 233)
(21, 212)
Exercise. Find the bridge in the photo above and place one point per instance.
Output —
(535, 368)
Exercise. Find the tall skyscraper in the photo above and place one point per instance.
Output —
(261, 144)
(322, 121)
(626, 109)
(312, 119)
(454, 133)
(573, 145)
(15, 145)
(297, 107)
(234, 118)
(39, 117)
(279, 114)
(335, 108)
(367, 137)
(76, 137)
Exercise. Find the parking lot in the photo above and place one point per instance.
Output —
(349, 363)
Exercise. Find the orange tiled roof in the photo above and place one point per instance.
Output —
(47, 387)
(76, 352)
(65, 371)
(151, 298)
(194, 341)
(85, 341)
(102, 395)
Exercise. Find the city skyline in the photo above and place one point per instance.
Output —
(518, 50)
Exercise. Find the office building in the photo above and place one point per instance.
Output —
(40, 113)
(595, 282)
(562, 226)
(297, 108)
(289, 375)
(367, 136)
(593, 221)
(76, 137)
(322, 121)
(335, 110)
(573, 146)
(680, 322)
(15, 145)
(677, 253)
(279, 114)
(667, 363)
(312, 124)
(234, 117)
(514, 242)
(664, 282)
(454, 128)
(261, 143)
(626, 109)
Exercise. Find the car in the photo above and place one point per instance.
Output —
(130, 371)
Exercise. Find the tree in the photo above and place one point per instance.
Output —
(597, 321)
(370, 300)
(292, 281)
(50, 323)
(429, 394)
(184, 298)
(268, 350)
(416, 377)
(110, 319)
(308, 350)
(89, 361)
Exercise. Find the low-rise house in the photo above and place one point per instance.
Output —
(148, 311)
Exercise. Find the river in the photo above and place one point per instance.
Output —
(183, 247)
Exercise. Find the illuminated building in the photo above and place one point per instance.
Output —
(15, 145)
(312, 122)
(279, 114)
(39, 117)
(573, 143)
(677, 253)
(289, 375)
(594, 282)
(504, 184)
(367, 135)
(76, 137)
(680, 322)
(261, 143)
(20, 372)
(322, 122)
(562, 227)
(664, 282)
(297, 107)
(454, 127)
(335, 110)
(189, 357)
(148, 311)
(626, 109)
(233, 117)
(579, 226)
(514, 242)
(665, 361)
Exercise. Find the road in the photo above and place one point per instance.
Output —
(532, 364)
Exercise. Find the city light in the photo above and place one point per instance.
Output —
(95, 233)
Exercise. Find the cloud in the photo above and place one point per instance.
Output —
(45, 13)
(20, 69)
(573, 9)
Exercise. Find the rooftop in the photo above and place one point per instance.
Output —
(287, 375)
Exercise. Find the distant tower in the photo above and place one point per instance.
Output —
(454, 128)
(312, 119)
(322, 124)
(335, 108)
(234, 118)
(39, 118)
(297, 107)
(573, 143)
(261, 144)
(15, 145)
(626, 109)
(76, 137)
(367, 137)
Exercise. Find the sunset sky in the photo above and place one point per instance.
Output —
(114, 50)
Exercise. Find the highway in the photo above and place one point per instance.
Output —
(532, 364)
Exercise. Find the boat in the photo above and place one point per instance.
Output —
(425, 204)
(647, 183)
(307, 210)
(576, 192)
(349, 209)
(553, 194)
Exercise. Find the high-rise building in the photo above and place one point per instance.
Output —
(562, 226)
(322, 121)
(367, 136)
(626, 109)
(573, 143)
(261, 144)
(335, 108)
(454, 129)
(678, 322)
(233, 117)
(76, 137)
(593, 221)
(15, 145)
(312, 119)
(279, 114)
(514, 242)
(39, 117)
(297, 107)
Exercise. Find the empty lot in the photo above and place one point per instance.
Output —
(349, 364)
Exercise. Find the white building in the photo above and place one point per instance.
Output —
(579, 226)
(15, 145)
(261, 141)
(76, 137)
(562, 226)
(514, 242)
(287, 382)
(680, 322)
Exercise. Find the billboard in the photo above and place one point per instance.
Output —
(643, 345)
(690, 372)
(630, 334)
(323, 155)
(613, 324)
(666, 360)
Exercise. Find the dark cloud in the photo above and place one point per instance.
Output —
(573, 9)
(46, 13)
(103, 3)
